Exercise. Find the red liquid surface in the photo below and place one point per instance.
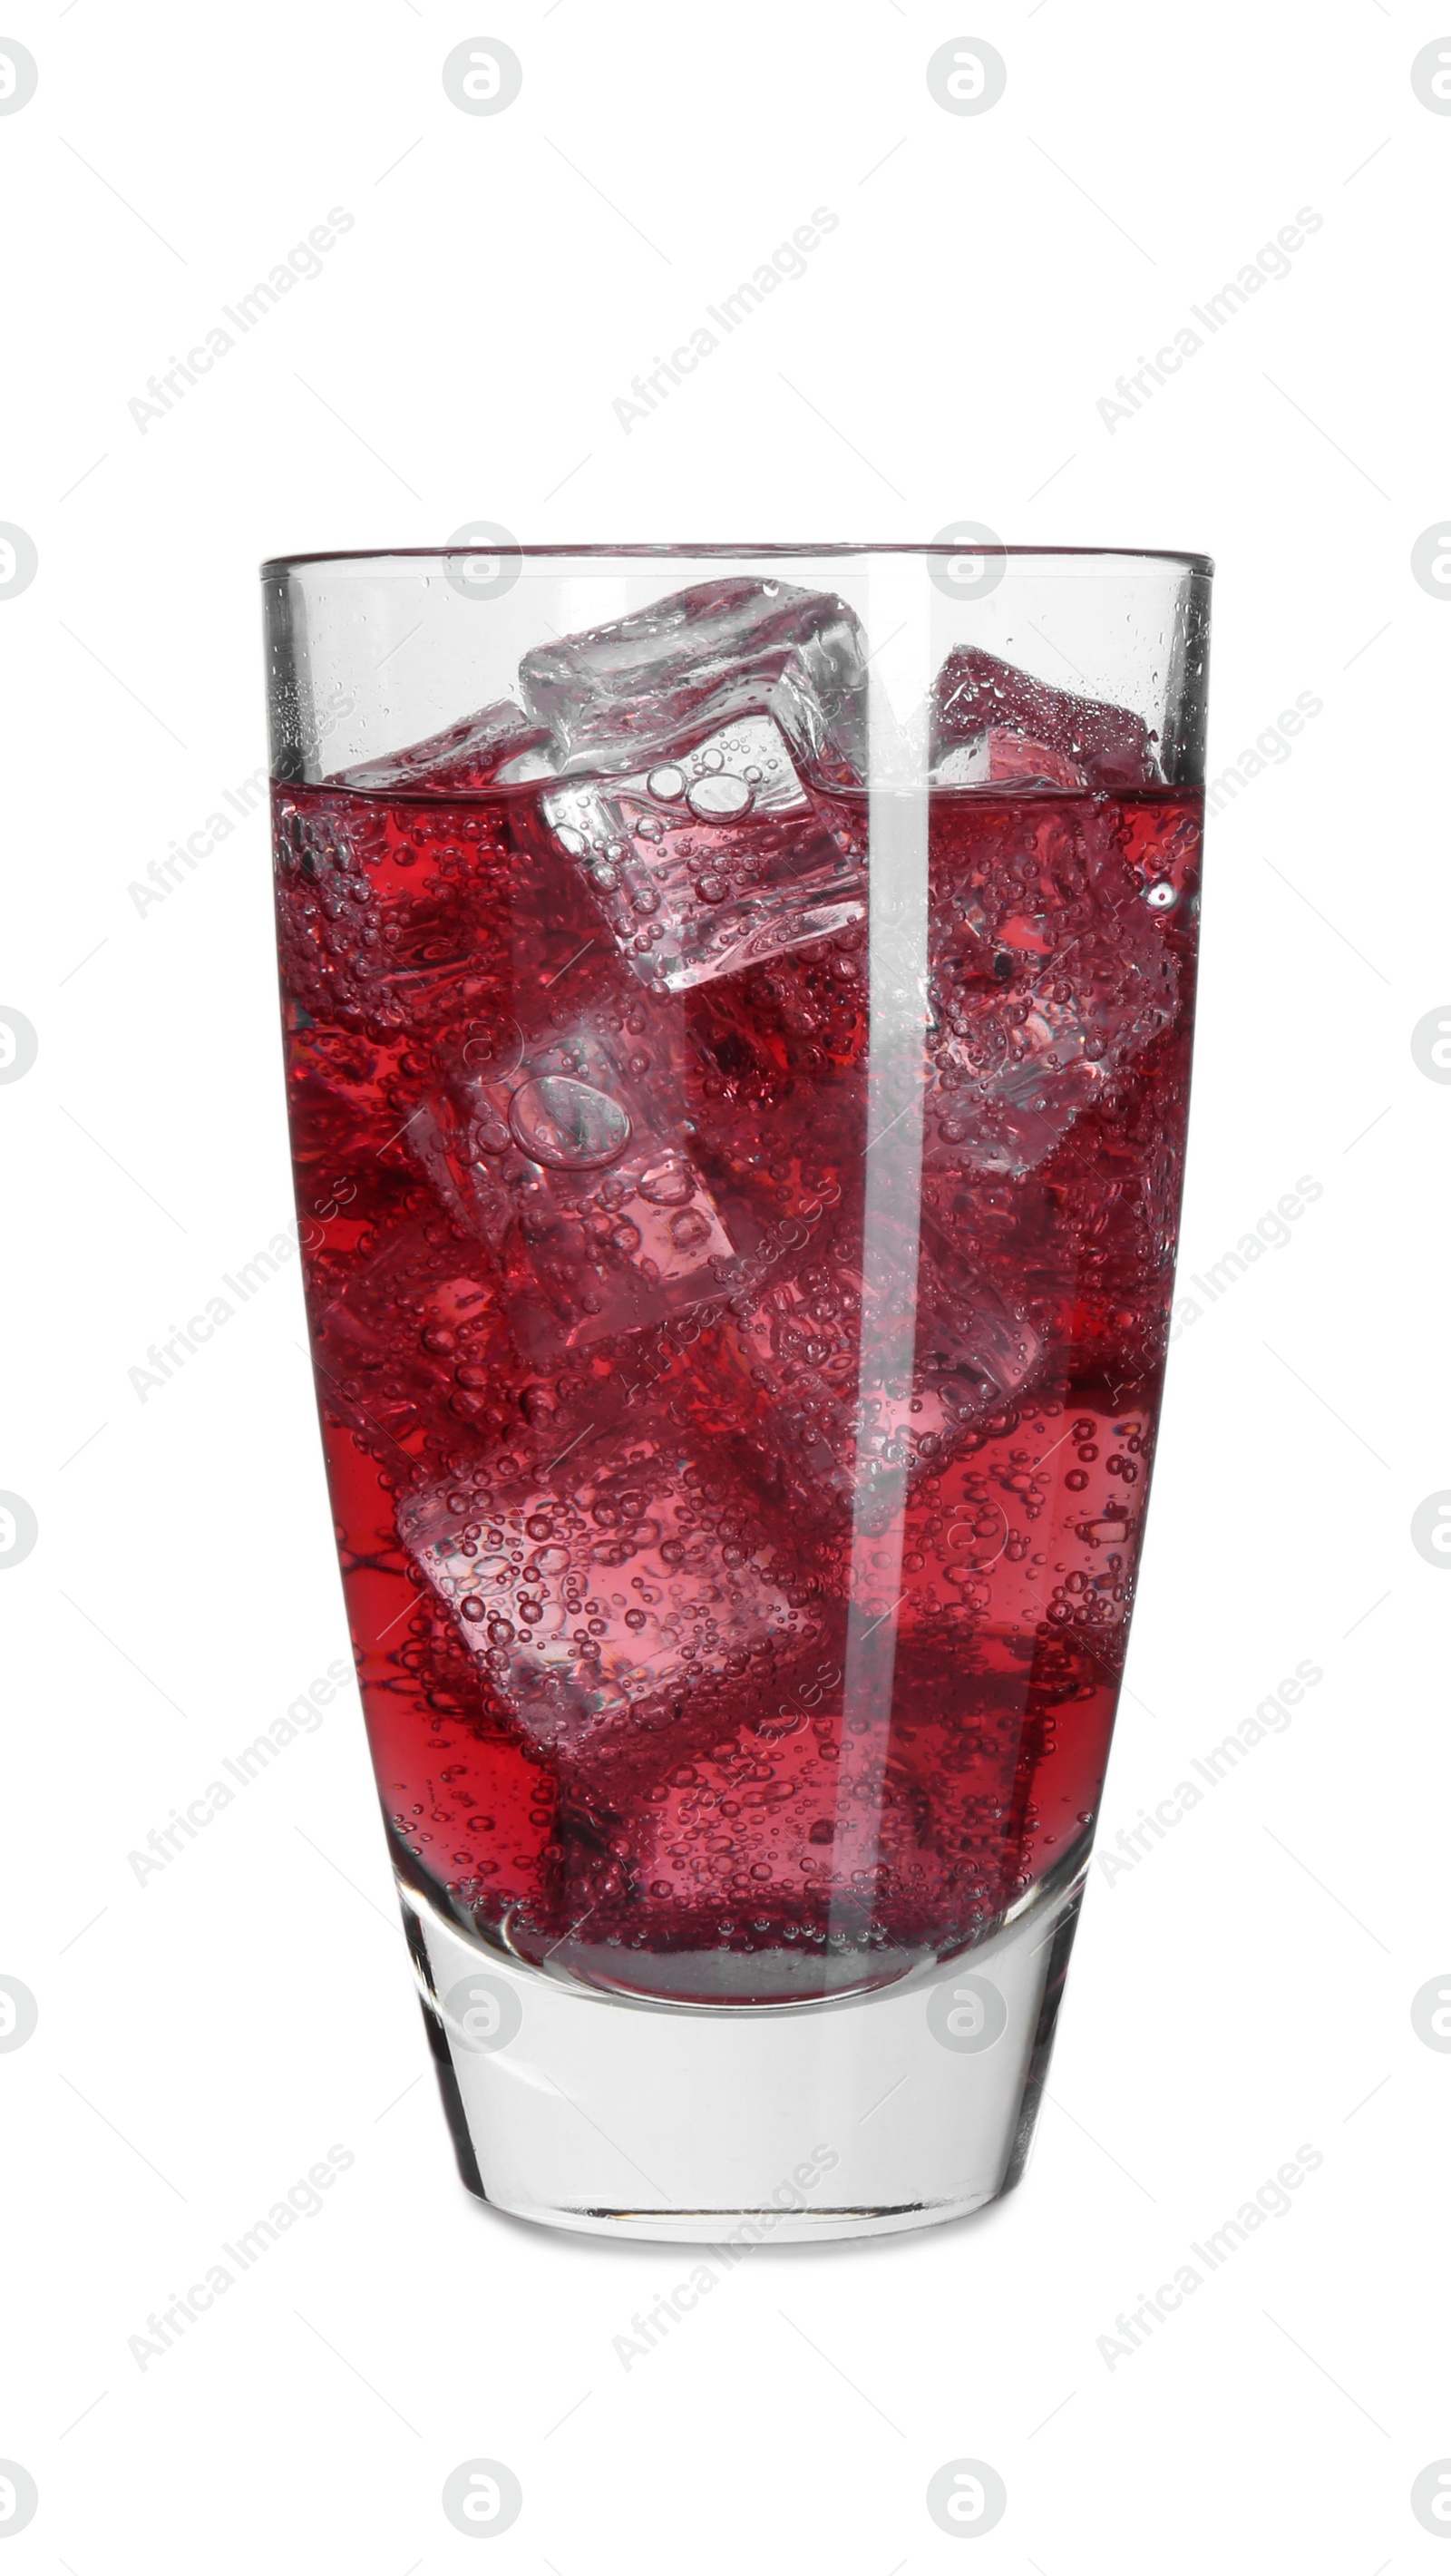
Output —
(695, 1659)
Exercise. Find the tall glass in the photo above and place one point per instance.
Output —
(738, 1008)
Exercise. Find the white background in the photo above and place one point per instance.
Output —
(1245, 1988)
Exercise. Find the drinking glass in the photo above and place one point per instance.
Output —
(738, 1009)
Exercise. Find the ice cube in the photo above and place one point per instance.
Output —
(575, 1167)
(409, 1352)
(1037, 1530)
(1050, 971)
(982, 705)
(709, 861)
(999, 758)
(526, 766)
(854, 1421)
(591, 1589)
(466, 756)
(622, 696)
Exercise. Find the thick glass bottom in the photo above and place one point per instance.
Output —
(863, 2115)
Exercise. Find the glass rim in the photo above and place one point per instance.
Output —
(850, 551)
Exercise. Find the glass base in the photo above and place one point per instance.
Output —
(863, 2115)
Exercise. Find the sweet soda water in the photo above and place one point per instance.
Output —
(633, 1477)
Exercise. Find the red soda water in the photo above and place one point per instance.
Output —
(621, 1487)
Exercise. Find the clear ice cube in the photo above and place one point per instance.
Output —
(858, 1423)
(1050, 971)
(999, 758)
(621, 696)
(710, 861)
(465, 756)
(981, 705)
(595, 1588)
(409, 1351)
(575, 1168)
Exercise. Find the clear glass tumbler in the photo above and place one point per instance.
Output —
(738, 1010)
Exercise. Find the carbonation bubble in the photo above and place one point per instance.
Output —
(667, 783)
(667, 1184)
(718, 799)
(567, 1124)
